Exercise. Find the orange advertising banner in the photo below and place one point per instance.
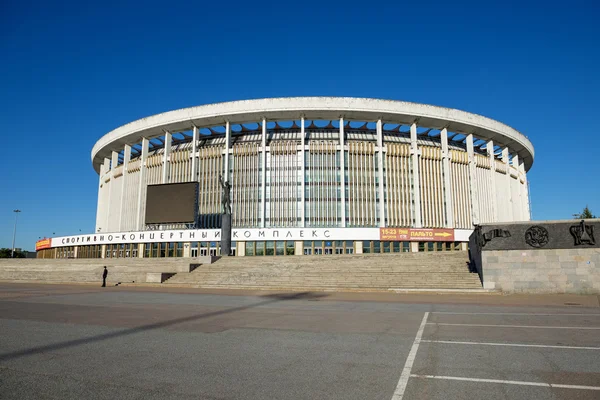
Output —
(43, 244)
(416, 235)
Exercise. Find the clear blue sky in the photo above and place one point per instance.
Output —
(72, 71)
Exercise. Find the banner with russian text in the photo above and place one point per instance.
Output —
(43, 244)
(416, 235)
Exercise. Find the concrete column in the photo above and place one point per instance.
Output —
(464, 246)
(525, 199)
(99, 208)
(509, 216)
(490, 152)
(358, 246)
(416, 192)
(76, 252)
(342, 172)
(194, 172)
(414, 247)
(519, 199)
(380, 173)
(126, 158)
(299, 247)
(472, 181)
(447, 173)
(142, 186)
(227, 146)
(240, 249)
(114, 161)
(108, 166)
(141, 248)
(187, 249)
(166, 172)
(103, 250)
(264, 172)
(303, 170)
(114, 219)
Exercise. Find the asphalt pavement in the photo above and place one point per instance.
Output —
(80, 341)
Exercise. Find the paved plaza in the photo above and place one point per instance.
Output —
(74, 342)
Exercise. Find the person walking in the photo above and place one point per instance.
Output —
(104, 275)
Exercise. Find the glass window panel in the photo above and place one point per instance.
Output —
(290, 249)
(366, 246)
(405, 247)
(386, 247)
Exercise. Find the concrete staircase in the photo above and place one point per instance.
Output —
(435, 270)
(123, 270)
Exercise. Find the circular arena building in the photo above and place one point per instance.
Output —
(308, 175)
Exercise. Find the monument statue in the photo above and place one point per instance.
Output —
(225, 218)
(226, 197)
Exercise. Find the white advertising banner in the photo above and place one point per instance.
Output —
(214, 235)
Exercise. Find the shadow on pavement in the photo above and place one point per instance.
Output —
(272, 298)
(296, 296)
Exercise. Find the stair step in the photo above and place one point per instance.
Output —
(432, 270)
(369, 272)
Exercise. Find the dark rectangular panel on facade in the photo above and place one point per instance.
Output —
(540, 235)
(172, 203)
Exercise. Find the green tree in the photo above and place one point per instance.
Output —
(586, 214)
(5, 253)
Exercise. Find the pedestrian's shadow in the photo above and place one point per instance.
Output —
(270, 299)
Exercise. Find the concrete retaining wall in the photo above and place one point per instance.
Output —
(542, 271)
(538, 256)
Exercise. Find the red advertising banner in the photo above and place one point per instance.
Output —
(416, 235)
(43, 244)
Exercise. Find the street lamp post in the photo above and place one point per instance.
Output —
(12, 254)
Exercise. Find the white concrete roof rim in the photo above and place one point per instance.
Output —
(328, 108)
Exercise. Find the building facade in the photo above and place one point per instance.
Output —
(377, 175)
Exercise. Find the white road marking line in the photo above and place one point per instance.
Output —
(403, 381)
(517, 326)
(542, 384)
(512, 344)
(560, 385)
(528, 314)
(459, 378)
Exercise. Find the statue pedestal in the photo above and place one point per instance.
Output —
(225, 235)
